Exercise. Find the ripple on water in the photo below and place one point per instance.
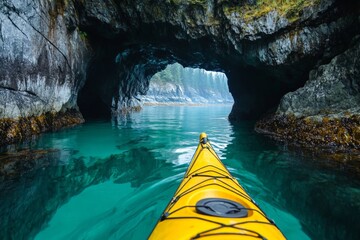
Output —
(112, 180)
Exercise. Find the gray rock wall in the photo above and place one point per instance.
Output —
(265, 54)
(332, 89)
(325, 112)
(42, 58)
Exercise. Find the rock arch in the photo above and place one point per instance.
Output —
(51, 49)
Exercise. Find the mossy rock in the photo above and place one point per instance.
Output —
(16, 130)
(340, 134)
(291, 9)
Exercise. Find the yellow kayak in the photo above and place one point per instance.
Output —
(211, 204)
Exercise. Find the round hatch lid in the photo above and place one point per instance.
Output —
(220, 207)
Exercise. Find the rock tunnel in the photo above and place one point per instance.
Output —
(116, 75)
(97, 56)
(133, 41)
(119, 72)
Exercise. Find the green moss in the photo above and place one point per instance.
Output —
(199, 2)
(291, 9)
(83, 35)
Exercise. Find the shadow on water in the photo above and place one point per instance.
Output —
(35, 183)
(320, 191)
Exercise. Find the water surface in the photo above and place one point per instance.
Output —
(113, 179)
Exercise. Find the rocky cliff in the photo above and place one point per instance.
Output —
(326, 111)
(266, 49)
(42, 67)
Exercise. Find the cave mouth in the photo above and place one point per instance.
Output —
(92, 106)
(187, 86)
(171, 84)
(118, 79)
(93, 97)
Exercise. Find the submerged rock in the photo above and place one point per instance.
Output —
(37, 182)
(14, 164)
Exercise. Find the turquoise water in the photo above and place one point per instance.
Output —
(113, 179)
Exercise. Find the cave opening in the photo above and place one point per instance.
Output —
(118, 79)
(93, 99)
(187, 86)
(119, 73)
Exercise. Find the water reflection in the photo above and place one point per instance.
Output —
(104, 180)
(30, 199)
(112, 180)
(324, 197)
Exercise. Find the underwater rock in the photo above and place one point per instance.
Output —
(15, 164)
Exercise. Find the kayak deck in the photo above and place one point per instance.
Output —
(211, 204)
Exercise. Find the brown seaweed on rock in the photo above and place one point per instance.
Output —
(331, 134)
(16, 130)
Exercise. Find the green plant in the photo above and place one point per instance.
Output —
(291, 9)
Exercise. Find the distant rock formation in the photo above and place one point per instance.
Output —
(178, 85)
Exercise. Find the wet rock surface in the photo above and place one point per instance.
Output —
(326, 111)
(20, 129)
(42, 62)
(338, 134)
(266, 50)
(333, 88)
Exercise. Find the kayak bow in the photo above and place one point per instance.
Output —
(211, 204)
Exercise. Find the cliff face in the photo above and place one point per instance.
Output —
(274, 45)
(326, 111)
(332, 89)
(41, 59)
(42, 67)
(265, 49)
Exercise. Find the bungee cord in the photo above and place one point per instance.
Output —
(220, 178)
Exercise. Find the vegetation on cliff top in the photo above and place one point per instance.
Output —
(291, 9)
